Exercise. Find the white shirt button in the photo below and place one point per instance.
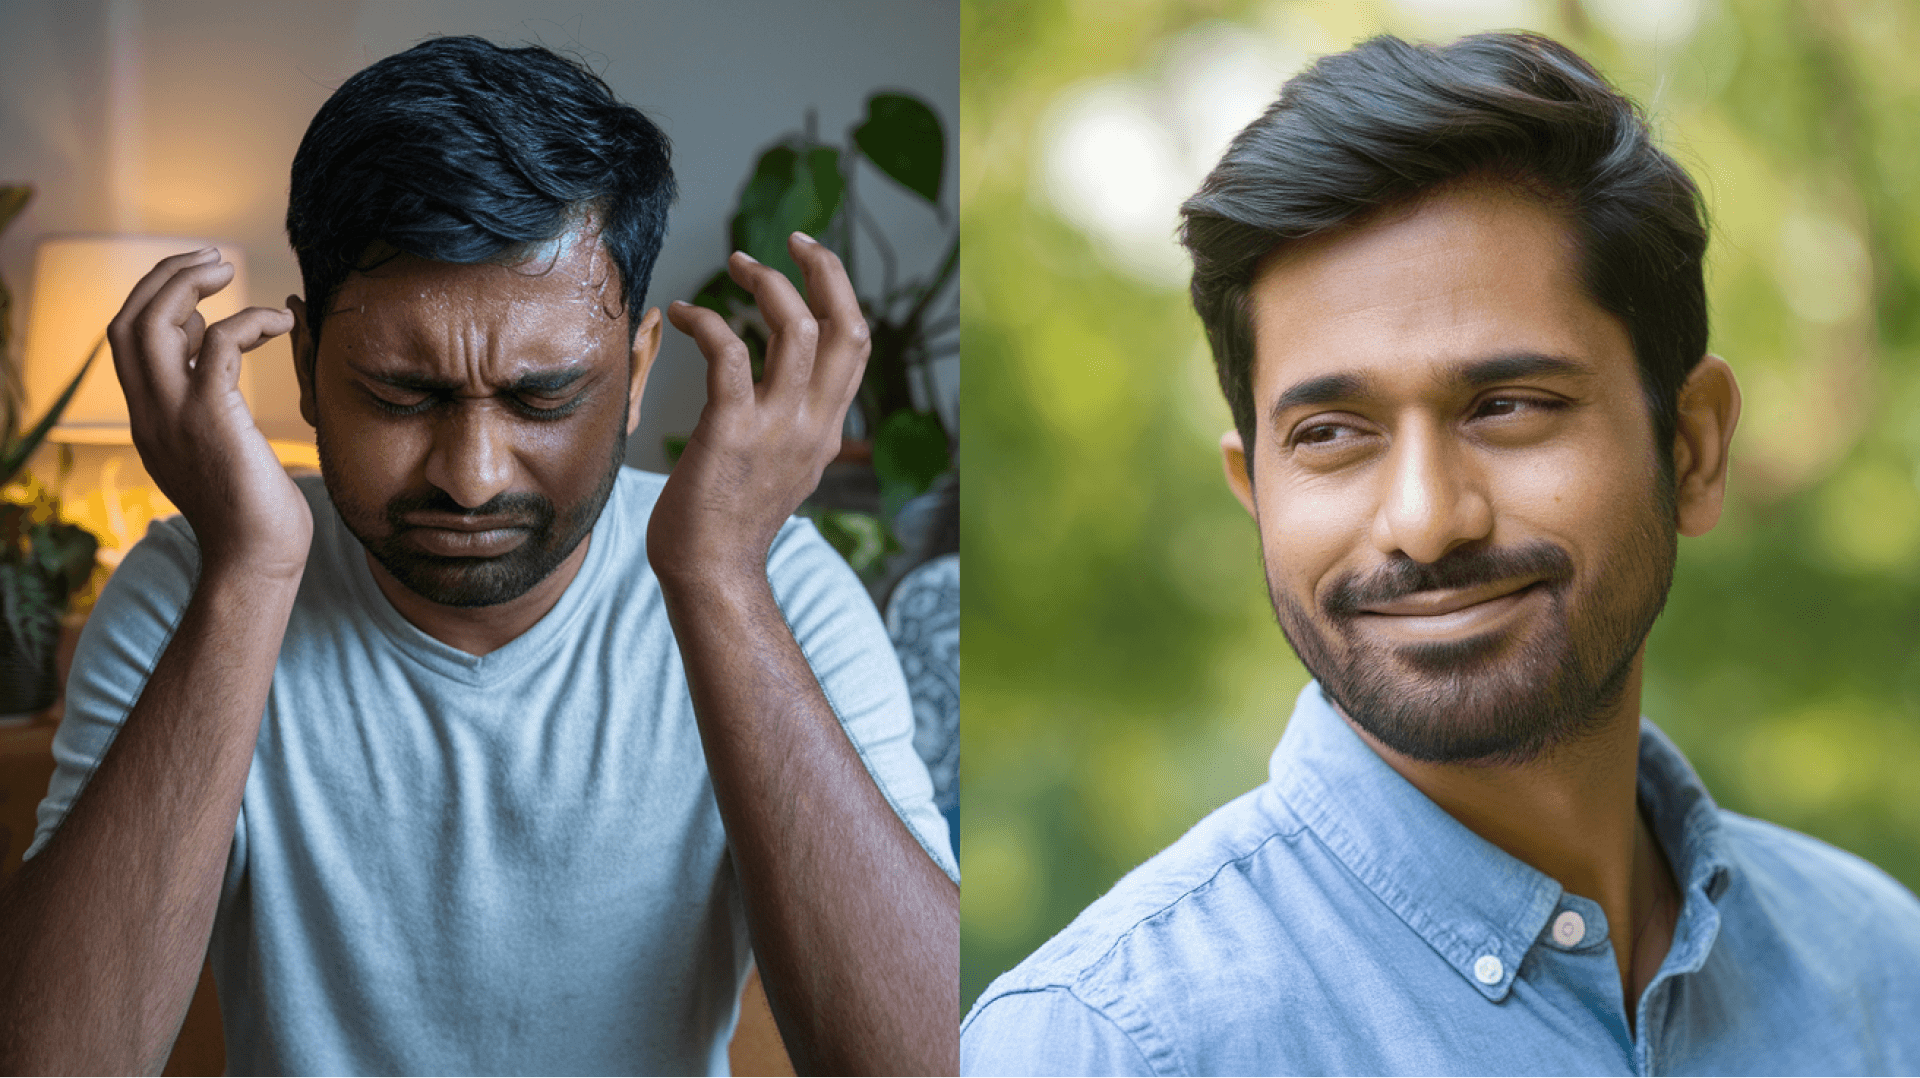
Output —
(1569, 928)
(1488, 969)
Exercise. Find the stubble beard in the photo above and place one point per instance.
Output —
(1504, 697)
(553, 534)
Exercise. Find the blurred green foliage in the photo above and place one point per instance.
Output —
(1124, 676)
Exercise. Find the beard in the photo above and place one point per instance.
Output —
(553, 533)
(1505, 696)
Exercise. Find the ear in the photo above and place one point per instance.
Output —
(646, 347)
(1709, 411)
(303, 359)
(1233, 457)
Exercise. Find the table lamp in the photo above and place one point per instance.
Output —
(79, 284)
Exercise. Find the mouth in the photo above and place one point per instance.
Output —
(464, 537)
(1453, 612)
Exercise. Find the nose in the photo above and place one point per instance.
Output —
(472, 455)
(1435, 499)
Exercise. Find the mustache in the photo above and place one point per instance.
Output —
(525, 510)
(1464, 567)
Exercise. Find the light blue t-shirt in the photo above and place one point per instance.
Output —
(485, 865)
(1336, 921)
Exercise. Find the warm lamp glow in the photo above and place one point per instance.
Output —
(79, 284)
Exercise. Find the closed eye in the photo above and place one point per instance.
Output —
(540, 407)
(398, 408)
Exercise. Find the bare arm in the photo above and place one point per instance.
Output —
(103, 933)
(855, 929)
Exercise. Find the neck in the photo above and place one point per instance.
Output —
(478, 630)
(1572, 813)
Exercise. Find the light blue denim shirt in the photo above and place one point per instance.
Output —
(1336, 921)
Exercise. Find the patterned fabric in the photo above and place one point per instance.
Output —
(923, 617)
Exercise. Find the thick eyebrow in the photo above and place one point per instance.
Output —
(546, 381)
(1325, 389)
(1485, 372)
(1471, 374)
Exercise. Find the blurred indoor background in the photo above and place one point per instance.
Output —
(1124, 675)
(181, 118)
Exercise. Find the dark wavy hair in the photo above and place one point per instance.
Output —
(460, 150)
(1386, 121)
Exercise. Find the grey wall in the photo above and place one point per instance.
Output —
(181, 117)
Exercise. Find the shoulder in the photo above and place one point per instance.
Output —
(1220, 898)
(1849, 904)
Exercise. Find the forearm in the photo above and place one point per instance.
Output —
(855, 929)
(104, 932)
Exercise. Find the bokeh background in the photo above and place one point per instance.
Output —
(1124, 676)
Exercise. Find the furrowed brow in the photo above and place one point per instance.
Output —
(418, 383)
(552, 381)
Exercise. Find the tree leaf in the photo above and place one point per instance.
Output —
(903, 138)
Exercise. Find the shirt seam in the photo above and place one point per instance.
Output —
(1087, 972)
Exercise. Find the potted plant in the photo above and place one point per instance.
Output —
(43, 560)
(903, 450)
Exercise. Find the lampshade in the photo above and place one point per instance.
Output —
(79, 284)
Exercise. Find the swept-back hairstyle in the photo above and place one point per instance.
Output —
(460, 150)
(1386, 121)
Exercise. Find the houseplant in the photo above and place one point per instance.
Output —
(43, 560)
(802, 184)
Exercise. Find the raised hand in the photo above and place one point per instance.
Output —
(192, 427)
(759, 449)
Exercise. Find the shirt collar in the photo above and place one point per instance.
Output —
(1467, 898)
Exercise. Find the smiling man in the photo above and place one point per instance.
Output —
(1455, 299)
(483, 754)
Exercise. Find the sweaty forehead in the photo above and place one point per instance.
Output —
(562, 297)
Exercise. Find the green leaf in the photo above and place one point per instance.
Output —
(861, 538)
(64, 553)
(14, 454)
(31, 618)
(909, 453)
(720, 294)
(903, 138)
(789, 192)
(13, 199)
(673, 445)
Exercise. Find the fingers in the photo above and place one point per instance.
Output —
(794, 333)
(218, 366)
(151, 341)
(161, 273)
(844, 335)
(729, 368)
